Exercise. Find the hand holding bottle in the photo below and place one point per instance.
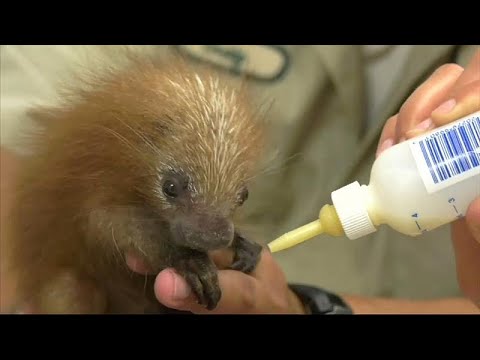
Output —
(450, 93)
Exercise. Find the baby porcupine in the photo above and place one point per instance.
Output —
(153, 157)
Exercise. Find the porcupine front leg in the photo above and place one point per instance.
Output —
(246, 254)
(201, 274)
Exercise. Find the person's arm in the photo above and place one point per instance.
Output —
(366, 305)
(8, 170)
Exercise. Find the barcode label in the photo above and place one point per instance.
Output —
(449, 154)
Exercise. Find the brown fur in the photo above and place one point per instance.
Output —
(91, 188)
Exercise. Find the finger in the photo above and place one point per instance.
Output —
(473, 219)
(259, 292)
(9, 169)
(137, 264)
(173, 291)
(222, 258)
(8, 173)
(471, 72)
(467, 255)
(388, 135)
(463, 99)
(241, 293)
(268, 271)
(465, 102)
(427, 97)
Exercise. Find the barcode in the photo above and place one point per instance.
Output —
(452, 151)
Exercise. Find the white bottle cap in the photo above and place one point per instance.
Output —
(350, 204)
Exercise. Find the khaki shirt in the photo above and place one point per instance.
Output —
(321, 140)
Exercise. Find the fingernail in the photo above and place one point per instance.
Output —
(385, 145)
(424, 125)
(181, 290)
(446, 107)
(420, 129)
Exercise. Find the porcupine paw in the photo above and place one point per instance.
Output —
(201, 274)
(246, 254)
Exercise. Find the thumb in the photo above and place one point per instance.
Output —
(463, 103)
(172, 290)
(465, 97)
(473, 219)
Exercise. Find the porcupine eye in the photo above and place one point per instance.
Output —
(170, 189)
(173, 187)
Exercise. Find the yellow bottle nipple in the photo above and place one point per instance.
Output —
(327, 223)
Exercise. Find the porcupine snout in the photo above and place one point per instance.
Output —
(203, 232)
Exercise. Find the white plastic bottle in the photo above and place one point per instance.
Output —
(415, 186)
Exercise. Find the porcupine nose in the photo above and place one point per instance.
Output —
(203, 232)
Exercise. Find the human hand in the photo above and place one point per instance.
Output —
(263, 291)
(9, 166)
(450, 93)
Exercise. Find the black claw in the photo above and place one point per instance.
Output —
(201, 274)
(247, 255)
